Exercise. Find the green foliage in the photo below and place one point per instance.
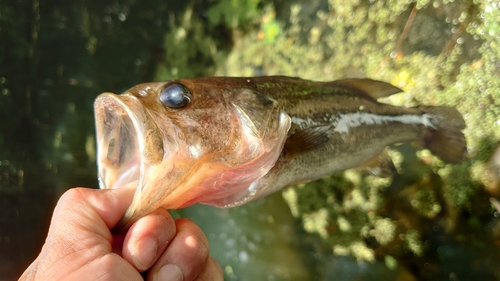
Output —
(189, 50)
(193, 47)
(233, 13)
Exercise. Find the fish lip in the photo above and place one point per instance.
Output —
(120, 136)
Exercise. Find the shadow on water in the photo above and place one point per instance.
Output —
(55, 59)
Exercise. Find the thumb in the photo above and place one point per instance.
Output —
(79, 232)
(88, 212)
(106, 205)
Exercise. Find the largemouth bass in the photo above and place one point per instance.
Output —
(227, 141)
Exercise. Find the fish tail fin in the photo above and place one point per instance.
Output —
(445, 138)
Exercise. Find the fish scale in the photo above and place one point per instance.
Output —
(238, 139)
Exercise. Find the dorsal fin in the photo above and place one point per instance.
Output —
(373, 88)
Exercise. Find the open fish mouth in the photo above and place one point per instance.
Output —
(120, 138)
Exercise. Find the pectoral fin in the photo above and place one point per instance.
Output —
(308, 139)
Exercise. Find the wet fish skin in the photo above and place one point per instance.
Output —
(317, 146)
(240, 139)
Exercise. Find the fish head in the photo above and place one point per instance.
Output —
(186, 141)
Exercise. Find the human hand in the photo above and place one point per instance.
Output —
(80, 245)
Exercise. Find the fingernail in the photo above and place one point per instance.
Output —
(144, 252)
(169, 272)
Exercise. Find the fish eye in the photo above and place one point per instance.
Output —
(175, 96)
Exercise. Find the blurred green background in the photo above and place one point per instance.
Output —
(431, 221)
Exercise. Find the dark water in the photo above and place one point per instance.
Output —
(56, 57)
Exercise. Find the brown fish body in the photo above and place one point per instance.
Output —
(233, 140)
